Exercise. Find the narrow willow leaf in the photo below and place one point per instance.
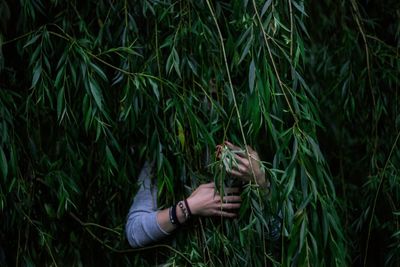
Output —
(13, 163)
(49, 210)
(87, 112)
(193, 65)
(111, 159)
(265, 7)
(299, 6)
(60, 76)
(181, 134)
(170, 63)
(73, 73)
(118, 78)
(37, 71)
(252, 76)
(154, 86)
(99, 71)
(98, 129)
(314, 146)
(96, 93)
(60, 103)
(246, 49)
(290, 182)
(3, 164)
(303, 233)
(32, 40)
(176, 62)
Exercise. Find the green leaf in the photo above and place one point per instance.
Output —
(265, 7)
(60, 103)
(37, 71)
(3, 164)
(96, 93)
(111, 159)
(50, 211)
(181, 134)
(99, 71)
(32, 40)
(154, 86)
(252, 76)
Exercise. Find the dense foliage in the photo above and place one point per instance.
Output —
(355, 76)
(89, 90)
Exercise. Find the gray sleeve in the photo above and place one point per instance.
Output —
(142, 227)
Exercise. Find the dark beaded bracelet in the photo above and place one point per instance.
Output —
(172, 216)
(184, 210)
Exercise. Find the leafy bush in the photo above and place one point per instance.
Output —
(91, 89)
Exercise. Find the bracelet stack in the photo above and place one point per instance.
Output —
(184, 206)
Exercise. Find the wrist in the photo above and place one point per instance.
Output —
(192, 206)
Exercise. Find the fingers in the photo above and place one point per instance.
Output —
(240, 154)
(222, 213)
(241, 159)
(208, 185)
(236, 149)
(232, 199)
(230, 206)
(228, 201)
(231, 190)
(228, 209)
(231, 146)
(231, 194)
(236, 173)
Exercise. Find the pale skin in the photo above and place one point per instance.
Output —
(205, 200)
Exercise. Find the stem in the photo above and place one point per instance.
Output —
(357, 17)
(126, 250)
(376, 198)
(93, 224)
(281, 84)
(291, 29)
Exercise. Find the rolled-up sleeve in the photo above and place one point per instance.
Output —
(142, 227)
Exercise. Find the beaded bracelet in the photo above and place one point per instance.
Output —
(184, 210)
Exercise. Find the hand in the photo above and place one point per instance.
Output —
(245, 168)
(205, 201)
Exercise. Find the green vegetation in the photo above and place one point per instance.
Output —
(91, 89)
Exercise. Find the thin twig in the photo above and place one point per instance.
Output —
(281, 84)
(382, 174)
(94, 224)
(98, 239)
(291, 29)
(357, 17)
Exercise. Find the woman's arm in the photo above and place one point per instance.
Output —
(204, 201)
(142, 226)
(146, 225)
